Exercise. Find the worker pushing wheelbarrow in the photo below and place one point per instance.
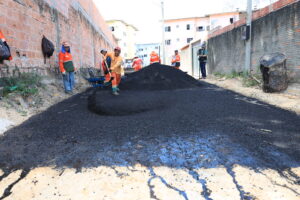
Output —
(101, 81)
(112, 67)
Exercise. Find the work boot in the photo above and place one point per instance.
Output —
(115, 93)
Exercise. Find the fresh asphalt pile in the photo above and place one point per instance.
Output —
(148, 89)
(158, 77)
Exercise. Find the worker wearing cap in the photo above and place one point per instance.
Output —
(5, 43)
(137, 63)
(176, 60)
(67, 67)
(116, 69)
(106, 63)
(154, 57)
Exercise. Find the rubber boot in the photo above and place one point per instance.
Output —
(115, 91)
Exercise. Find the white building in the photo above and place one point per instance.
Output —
(143, 51)
(180, 32)
(126, 37)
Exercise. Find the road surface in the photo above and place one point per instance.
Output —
(208, 143)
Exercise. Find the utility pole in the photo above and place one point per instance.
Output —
(248, 40)
(163, 32)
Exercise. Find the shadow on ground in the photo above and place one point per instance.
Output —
(203, 127)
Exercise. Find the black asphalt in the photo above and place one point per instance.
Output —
(204, 126)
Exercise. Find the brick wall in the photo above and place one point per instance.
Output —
(24, 22)
(275, 28)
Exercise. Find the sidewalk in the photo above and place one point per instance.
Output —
(289, 100)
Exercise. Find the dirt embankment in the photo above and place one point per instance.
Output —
(15, 109)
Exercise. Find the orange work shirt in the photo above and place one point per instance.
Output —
(64, 57)
(154, 58)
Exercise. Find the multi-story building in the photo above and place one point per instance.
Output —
(179, 32)
(143, 51)
(125, 35)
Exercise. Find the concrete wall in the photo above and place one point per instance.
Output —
(24, 22)
(276, 31)
(186, 60)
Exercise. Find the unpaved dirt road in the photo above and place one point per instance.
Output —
(209, 144)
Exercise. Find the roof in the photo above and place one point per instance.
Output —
(205, 16)
(225, 13)
(118, 20)
(147, 44)
(192, 42)
(185, 47)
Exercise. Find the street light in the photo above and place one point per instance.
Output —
(163, 31)
(248, 41)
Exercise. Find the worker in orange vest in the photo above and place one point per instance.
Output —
(116, 69)
(176, 60)
(137, 63)
(5, 43)
(106, 63)
(154, 57)
(67, 67)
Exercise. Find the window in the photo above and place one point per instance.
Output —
(112, 28)
(231, 20)
(188, 40)
(200, 28)
(188, 27)
(168, 42)
(168, 29)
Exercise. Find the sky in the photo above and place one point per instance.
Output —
(146, 14)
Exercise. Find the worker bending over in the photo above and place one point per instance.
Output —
(116, 69)
(67, 67)
(137, 63)
(9, 57)
(106, 64)
(176, 60)
(154, 57)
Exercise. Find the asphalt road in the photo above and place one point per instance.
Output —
(207, 143)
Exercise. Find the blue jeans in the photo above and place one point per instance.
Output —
(203, 69)
(69, 81)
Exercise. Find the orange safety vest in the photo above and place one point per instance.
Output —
(4, 40)
(154, 58)
(63, 58)
(2, 36)
(176, 58)
(137, 64)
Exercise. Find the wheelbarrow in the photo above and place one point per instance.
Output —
(98, 81)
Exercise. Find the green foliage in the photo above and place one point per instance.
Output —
(219, 75)
(25, 84)
(233, 74)
(248, 80)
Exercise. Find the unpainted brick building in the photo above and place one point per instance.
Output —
(24, 22)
